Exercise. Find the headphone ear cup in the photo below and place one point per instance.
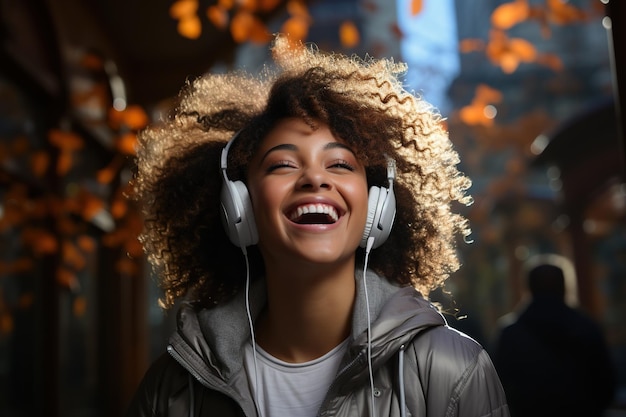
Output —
(372, 202)
(381, 212)
(237, 214)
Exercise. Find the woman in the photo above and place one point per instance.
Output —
(309, 296)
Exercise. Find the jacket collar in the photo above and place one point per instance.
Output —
(219, 335)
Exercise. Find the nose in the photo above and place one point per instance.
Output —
(313, 179)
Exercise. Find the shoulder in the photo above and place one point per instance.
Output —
(446, 343)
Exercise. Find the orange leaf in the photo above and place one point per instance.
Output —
(268, 5)
(66, 141)
(127, 143)
(486, 94)
(508, 15)
(416, 7)
(72, 256)
(86, 243)
(509, 62)
(119, 208)
(524, 50)
(44, 243)
(218, 16)
(190, 27)
(296, 27)
(67, 279)
(126, 266)
(183, 8)
(349, 34)
(226, 4)
(259, 33)
(133, 117)
(297, 8)
(249, 5)
(92, 206)
(240, 26)
(64, 163)
(106, 175)
(39, 163)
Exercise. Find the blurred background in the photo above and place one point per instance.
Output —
(530, 90)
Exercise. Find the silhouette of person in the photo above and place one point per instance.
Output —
(552, 358)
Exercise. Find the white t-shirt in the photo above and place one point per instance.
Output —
(291, 389)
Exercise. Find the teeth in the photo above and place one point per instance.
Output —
(315, 209)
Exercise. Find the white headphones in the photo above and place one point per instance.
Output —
(238, 216)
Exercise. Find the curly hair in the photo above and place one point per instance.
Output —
(361, 101)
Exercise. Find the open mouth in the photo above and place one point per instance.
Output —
(314, 214)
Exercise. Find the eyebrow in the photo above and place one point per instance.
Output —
(292, 147)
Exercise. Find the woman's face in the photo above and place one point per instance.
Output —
(309, 194)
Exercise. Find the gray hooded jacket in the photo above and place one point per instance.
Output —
(421, 367)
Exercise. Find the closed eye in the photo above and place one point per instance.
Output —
(280, 164)
(343, 165)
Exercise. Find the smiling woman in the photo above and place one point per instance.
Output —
(335, 189)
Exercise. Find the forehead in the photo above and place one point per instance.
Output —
(295, 134)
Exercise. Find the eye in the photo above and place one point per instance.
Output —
(280, 164)
(342, 164)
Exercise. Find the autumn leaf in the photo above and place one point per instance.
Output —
(508, 15)
(296, 27)
(297, 8)
(259, 33)
(66, 141)
(190, 27)
(245, 26)
(64, 163)
(486, 95)
(133, 117)
(218, 16)
(86, 243)
(416, 7)
(562, 13)
(349, 34)
(127, 143)
(126, 266)
(268, 5)
(119, 208)
(523, 49)
(72, 256)
(183, 8)
(91, 206)
(39, 163)
(106, 174)
(67, 279)
(226, 4)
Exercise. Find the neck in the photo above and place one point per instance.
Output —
(309, 311)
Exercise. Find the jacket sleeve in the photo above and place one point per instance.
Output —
(479, 391)
(456, 376)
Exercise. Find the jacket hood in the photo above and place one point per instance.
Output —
(218, 336)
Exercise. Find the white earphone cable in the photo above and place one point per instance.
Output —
(252, 336)
(368, 248)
